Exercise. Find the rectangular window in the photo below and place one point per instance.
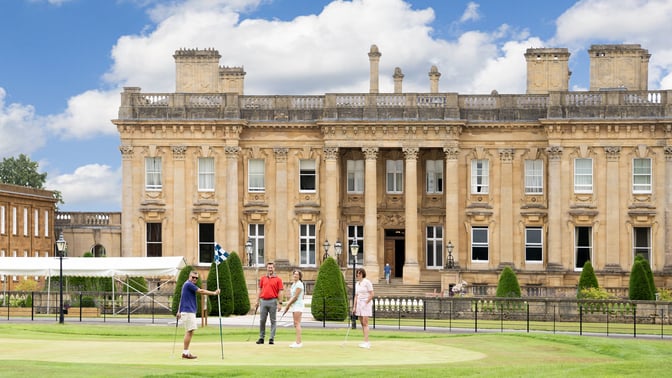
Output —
(434, 247)
(36, 222)
(642, 242)
(534, 176)
(583, 175)
(206, 174)
(46, 223)
(356, 235)
(583, 245)
(153, 173)
(255, 175)
(3, 230)
(479, 176)
(15, 226)
(25, 221)
(434, 176)
(206, 243)
(307, 245)
(355, 176)
(307, 175)
(154, 240)
(479, 244)
(641, 176)
(534, 244)
(395, 176)
(256, 237)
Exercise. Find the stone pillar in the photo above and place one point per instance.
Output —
(279, 252)
(411, 267)
(374, 60)
(179, 222)
(232, 221)
(370, 214)
(434, 76)
(554, 262)
(667, 268)
(398, 79)
(331, 197)
(506, 208)
(612, 261)
(127, 207)
(451, 191)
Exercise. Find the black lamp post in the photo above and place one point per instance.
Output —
(450, 263)
(61, 244)
(354, 249)
(338, 248)
(248, 250)
(325, 246)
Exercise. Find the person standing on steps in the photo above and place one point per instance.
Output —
(295, 305)
(388, 273)
(363, 306)
(270, 292)
(187, 310)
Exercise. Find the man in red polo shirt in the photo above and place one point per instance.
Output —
(270, 293)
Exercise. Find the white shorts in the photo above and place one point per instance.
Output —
(189, 321)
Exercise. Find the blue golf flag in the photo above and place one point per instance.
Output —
(220, 254)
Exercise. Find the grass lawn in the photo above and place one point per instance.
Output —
(83, 350)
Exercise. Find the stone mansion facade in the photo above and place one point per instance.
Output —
(542, 181)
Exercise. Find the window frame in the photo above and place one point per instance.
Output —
(206, 243)
(637, 233)
(307, 245)
(434, 181)
(532, 246)
(585, 173)
(354, 176)
(534, 177)
(646, 188)
(434, 247)
(258, 240)
(153, 173)
(256, 175)
(480, 176)
(394, 176)
(478, 245)
(355, 234)
(307, 176)
(206, 175)
(153, 239)
(582, 234)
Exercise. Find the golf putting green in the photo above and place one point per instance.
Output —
(236, 352)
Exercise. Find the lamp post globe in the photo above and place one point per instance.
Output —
(61, 244)
(354, 250)
(325, 246)
(450, 262)
(338, 248)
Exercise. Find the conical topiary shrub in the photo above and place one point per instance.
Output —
(649, 273)
(328, 302)
(508, 286)
(639, 284)
(587, 280)
(226, 290)
(241, 297)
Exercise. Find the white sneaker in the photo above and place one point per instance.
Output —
(295, 345)
(365, 345)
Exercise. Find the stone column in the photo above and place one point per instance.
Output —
(451, 191)
(179, 222)
(434, 76)
(370, 214)
(127, 207)
(411, 267)
(232, 221)
(506, 208)
(374, 60)
(398, 79)
(554, 249)
(279, 252)
(612, 259)
(667, 268)
(331, 197)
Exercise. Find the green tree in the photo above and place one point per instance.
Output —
(137, 284)
(177, 294)
(587, 280)
(329, 300)
(639, 283)
(24, 172)
(226, 290)
(649, 273)
(508, 286)
(241, 297)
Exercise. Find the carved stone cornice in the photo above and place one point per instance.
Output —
(613, 152)
(126, 151)
(281, 154)
(370, 153)
(554, 153)
(506, 155)
(330, 153)
(179, 152)
(411, 153)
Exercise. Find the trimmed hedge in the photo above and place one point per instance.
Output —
(329, 300)
(508, 286)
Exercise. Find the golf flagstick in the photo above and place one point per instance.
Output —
(219, 257)
(177, 321)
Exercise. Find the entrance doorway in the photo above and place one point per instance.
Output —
(395, 251)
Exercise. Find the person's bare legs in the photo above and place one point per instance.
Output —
(364, 321)
(187, 339)
(297, 326)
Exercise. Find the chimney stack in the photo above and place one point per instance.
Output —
(374, 59)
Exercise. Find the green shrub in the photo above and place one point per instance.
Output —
(587, 280)
(329, 300)
(226, 294)
(137, 284)
(87, 301)
(640, 289)
(649, 273)
(241, 297)
(665, 295)
(594, 293)
(508, 286)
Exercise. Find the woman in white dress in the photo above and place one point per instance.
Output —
(295, 305)
(363, 306)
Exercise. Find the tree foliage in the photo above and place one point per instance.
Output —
(649, 273)
(587, 280)
(24, 172)
(329, 300)
(508, 286)
(226, 290)
(241, 297)
(640, 289)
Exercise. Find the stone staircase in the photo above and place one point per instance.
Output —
(397, 289)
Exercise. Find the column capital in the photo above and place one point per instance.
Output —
(330, 153)
(231, 152)
(179, 152)
(281, 153)
(554, 152)
(613, 152)
(126, 151)
(370, 153)
(451, 152)
(506, 155)
(410, 153)
(668, 153)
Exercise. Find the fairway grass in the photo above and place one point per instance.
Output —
(81, 350)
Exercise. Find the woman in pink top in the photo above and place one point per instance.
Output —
(363, 306)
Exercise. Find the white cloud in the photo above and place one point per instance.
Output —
(18, 119)
(92, 186)
(88, 114)
(471, 13)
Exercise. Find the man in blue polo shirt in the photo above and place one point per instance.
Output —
(187, 310)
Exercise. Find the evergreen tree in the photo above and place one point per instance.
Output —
(649, 273)
(508, 286)
(588, 279)
(241, 297)
(225, 287)
(329, 300)
(639, 283)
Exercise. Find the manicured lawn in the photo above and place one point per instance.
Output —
(83, 350)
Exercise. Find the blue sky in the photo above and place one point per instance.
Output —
(64, 62)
